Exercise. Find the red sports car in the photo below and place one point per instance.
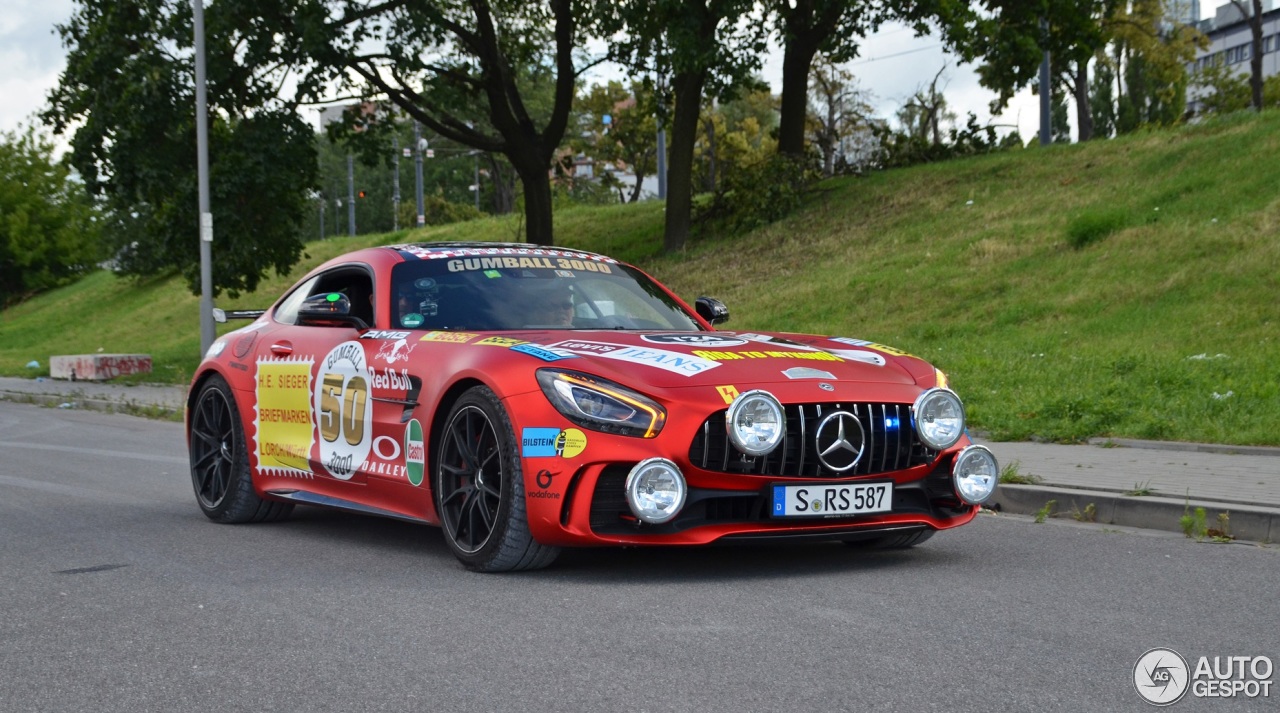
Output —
(525, 399)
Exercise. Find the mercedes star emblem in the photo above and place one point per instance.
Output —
(840, 440)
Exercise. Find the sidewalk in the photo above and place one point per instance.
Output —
(1145, 484)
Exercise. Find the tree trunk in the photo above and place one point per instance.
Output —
(684, 134)
(797, 58)
(1084, 110)
(1255, 55)
(537, 195)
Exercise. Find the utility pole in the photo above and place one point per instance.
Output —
(395, 186)
(202, 169)
(1046, 91)
(351, 195)
(419, 144)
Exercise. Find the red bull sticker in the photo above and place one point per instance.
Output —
(283, 431)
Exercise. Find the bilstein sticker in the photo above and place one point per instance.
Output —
(870, 345)
(552, 442)
(544, 353)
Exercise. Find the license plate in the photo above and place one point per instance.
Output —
(831, 500)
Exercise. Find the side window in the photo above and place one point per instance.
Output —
(287, 312)
(356, 283)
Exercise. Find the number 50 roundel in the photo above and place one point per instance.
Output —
(343, 410)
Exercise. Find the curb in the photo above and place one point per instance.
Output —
(1247, 522)
(79, 401)
(1185, 447)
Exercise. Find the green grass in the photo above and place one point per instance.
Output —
(1066, 291)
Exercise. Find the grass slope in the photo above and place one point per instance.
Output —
(1122, 288)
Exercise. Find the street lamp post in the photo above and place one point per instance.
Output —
(202, 170)
(419, 146)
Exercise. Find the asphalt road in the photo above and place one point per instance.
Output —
(118, 595)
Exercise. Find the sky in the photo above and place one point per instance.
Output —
(894, 64)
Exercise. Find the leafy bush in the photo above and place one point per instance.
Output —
(758, 194)
(1091, 226)
(437, 211)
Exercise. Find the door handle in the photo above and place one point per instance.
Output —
(282, 348)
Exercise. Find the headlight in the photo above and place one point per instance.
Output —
(601, 405)
(939, 417)
(756, 422)
(975, 474)
(656, 490)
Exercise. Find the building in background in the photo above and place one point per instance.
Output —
(1231, 42)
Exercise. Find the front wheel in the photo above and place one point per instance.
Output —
(478, 489)
(220, 462)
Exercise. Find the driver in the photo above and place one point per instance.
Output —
(553, 308)
(415, 301)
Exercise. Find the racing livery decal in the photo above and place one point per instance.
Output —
(452, 337)
(729, 356)
(399, 350)
(500, 342)
(675, 362)
(544, 353)
(870, 345)
(283, 431)
(343, 410)
(415, 451)
(728, 393)
(552, 442)
(695, 339)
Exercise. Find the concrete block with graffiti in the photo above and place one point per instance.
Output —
(98, 367)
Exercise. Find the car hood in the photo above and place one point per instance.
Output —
(681, 359)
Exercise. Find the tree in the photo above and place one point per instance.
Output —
(630, 137)
(1151, 55)
(835, 28)
(466, 70)
(1013, 36)
(700, 44)
(1252, 13)
(48, 224)
(127, 96)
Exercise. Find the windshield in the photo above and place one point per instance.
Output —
(530, 291)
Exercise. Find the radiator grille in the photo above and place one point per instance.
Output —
(890, 443)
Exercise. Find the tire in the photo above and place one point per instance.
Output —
(220, 461)
(478, 486)
(892, 542)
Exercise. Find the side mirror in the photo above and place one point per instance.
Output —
(712, 310)
(328, 309)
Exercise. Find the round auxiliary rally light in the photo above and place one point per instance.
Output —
(656, 490)
(975, 474)
(939, 418)
(756, 422)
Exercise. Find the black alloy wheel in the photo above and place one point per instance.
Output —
(479, 489)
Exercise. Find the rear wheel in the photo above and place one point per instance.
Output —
(478, 488)
(220, 462)
(891, 542)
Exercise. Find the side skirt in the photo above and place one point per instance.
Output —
(305, 498)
